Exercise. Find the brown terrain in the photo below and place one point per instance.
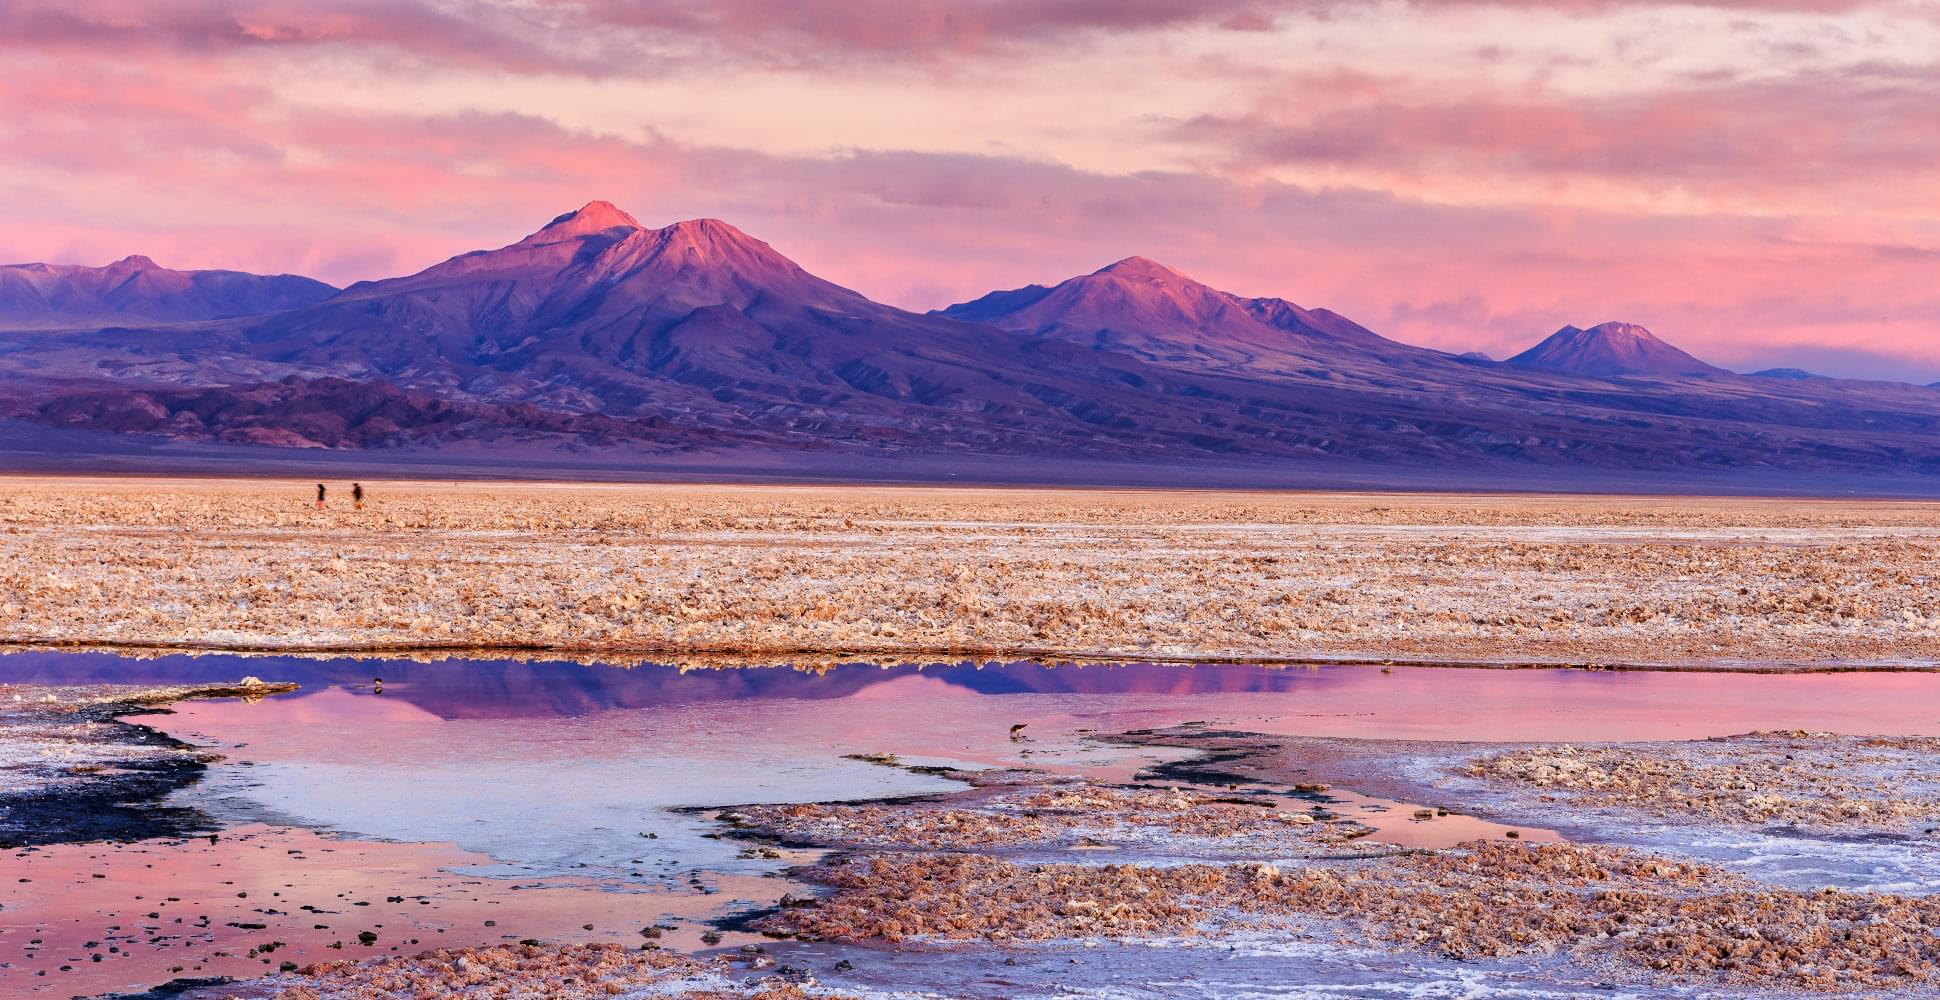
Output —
(766, 571)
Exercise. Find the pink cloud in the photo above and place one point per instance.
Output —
(213, 27)
(630, 37)
(1736, 136)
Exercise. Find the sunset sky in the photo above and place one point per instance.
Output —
(1758, 181)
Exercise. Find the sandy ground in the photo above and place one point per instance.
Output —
(693, 570)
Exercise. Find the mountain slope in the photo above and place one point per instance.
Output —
(136, 289)
(1610, 349)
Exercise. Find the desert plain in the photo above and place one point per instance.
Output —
(698, 571)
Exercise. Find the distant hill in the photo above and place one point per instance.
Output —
(1794, 374)
(1610, 349)
(135, 290)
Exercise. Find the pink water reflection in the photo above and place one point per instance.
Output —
(938, 711)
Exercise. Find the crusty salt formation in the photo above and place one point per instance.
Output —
(696, 570)
(1630, 911)
(557, 972)
(1084, 814)
(1821, 781)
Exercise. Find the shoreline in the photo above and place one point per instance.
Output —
(811, 657)
(87, 773)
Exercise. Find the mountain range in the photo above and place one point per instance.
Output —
(136, 289)
(596, 333)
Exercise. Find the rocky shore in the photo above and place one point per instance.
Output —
(72, 768)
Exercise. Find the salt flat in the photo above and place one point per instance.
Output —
(877, 571)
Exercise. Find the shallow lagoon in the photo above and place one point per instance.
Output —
(578, 783)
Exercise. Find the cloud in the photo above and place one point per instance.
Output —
(484, 34)
(603, 38)
(1793, 131)
(779, 31)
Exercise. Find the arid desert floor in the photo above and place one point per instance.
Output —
(694, 571)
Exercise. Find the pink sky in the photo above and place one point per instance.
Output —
(1753, 179)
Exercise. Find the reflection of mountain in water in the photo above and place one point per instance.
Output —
(509, 689)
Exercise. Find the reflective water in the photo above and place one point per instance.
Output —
(573, 774)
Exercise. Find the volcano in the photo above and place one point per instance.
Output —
(1611, 349)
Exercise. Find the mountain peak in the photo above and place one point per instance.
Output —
(706, 233)
(593, 217)
(1609, 349)
(135, 262)
(1139, 267)
(599, 260)
(708, 227)
(715, 244)
(1617, 330)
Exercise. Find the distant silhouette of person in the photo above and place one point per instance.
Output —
(357, 495)
(319, 496)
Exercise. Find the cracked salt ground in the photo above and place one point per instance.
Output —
(1904, 860)
(1245, 966)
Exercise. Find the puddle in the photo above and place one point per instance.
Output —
(1409, 824)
